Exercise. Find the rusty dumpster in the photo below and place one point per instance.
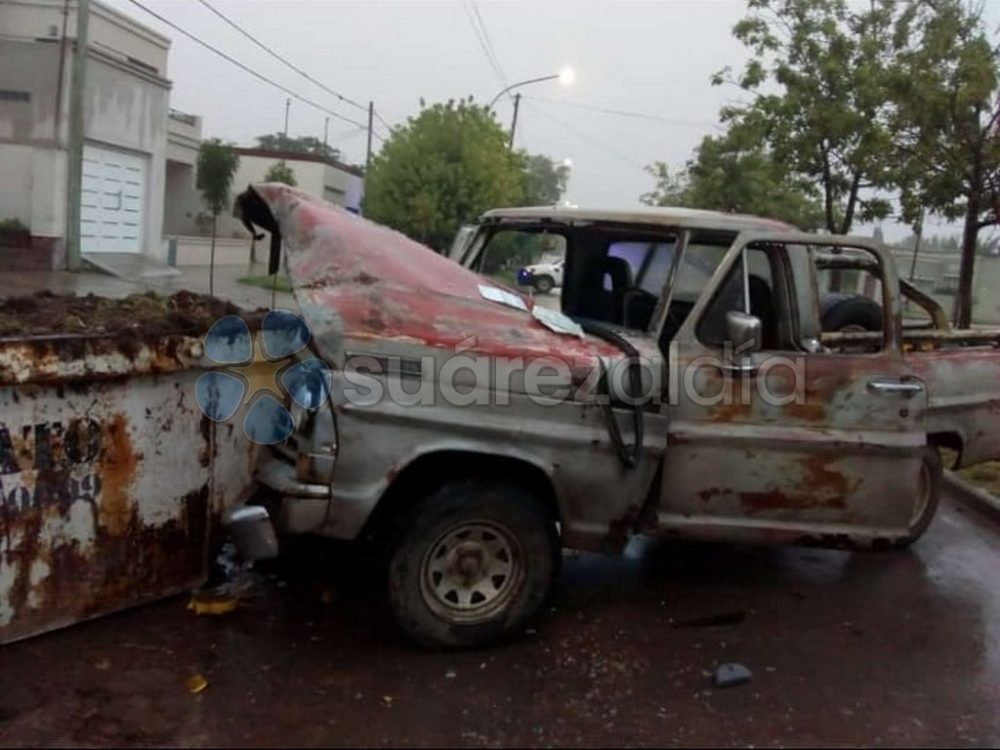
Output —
(111, 478)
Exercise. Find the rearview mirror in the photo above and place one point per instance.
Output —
(744, 332)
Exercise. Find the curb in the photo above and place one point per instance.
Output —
(977, 499)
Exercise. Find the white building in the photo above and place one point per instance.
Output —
(125, 114)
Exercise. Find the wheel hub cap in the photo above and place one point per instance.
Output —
(471, 571)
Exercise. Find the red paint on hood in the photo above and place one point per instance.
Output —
(384, 285)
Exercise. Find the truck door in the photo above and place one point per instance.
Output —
(779, 437)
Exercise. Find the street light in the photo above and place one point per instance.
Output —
(566, 77)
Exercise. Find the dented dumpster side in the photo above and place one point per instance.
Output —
(111, 478)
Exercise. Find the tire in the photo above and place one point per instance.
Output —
(441, 594)
(927, 503)
(850, 312)
(544, 284)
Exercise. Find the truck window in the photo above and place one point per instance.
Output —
(507, 251)
(619, 280)
(764, 301)
(702, 256)
(848, 288)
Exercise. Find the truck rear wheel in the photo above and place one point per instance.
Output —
(927, 499)
(473, 565)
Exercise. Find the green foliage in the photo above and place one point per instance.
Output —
(947, 96)
(217, 163)
(12, 225)
(544, 181)
(736, 174)
(302, 145)
(820, 71)
(443, 168)
(281, 172)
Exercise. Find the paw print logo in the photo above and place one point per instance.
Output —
(260, 373)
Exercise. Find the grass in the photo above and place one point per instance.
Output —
(281, 283)
(985, 476)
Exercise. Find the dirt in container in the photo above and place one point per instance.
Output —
(147, 314)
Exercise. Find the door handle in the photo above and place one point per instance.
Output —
(895, 385)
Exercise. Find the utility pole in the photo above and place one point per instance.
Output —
(74, 146)
(371, 124)
(288, 105)
(513, 124)
(326, 130)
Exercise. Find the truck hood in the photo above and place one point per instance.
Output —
(357, 281)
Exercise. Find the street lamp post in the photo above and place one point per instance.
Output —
(566, 76)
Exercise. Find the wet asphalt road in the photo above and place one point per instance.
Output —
(845, 648)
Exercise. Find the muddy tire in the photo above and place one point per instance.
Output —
(850, 313)
(928, 497)
(472, 565)
(544, 284)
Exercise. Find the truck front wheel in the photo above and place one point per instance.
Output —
(473, 565)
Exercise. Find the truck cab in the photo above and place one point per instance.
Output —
(681, 384)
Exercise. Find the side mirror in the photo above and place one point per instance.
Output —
(744, 332)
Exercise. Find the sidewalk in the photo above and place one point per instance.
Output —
(193, 278)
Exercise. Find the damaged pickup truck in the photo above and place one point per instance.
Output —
(685, 386)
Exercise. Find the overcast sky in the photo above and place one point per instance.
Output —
(652, 58)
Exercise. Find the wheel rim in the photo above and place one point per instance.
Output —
(471, 571)
(923, 496)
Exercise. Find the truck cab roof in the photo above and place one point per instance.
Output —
(673, 216)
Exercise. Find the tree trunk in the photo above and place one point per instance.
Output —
(963, 302)
(211, 257)
(852, 202)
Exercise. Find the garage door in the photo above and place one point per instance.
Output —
(111, 201)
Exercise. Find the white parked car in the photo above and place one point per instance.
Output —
(543, 276)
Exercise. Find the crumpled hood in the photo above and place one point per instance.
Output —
(356, 280)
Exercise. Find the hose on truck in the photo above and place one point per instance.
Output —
(629, 455)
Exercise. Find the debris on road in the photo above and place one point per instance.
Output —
(731, 675)
(196, 684)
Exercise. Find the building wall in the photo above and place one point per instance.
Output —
(108, 29)
(314, 177)
(182, 202)
(125, 107)
(127, 110)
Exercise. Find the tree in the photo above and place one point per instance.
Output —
(544, 181)
(281, 172)
(825, 69)
(736, 174)
(441, 169)
(217, 163)
(301, 145)
(947, 98)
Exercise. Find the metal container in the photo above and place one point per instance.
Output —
(111, 479)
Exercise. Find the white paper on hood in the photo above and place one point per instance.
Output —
(494, 294)
(556, 321)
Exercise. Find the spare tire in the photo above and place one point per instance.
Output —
(850, 312)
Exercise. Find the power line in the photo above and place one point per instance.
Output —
(278, 57)
(381, 119)
(587, 137)
(485, 47)
(625, 113)
(246, 68)
(489, 41)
